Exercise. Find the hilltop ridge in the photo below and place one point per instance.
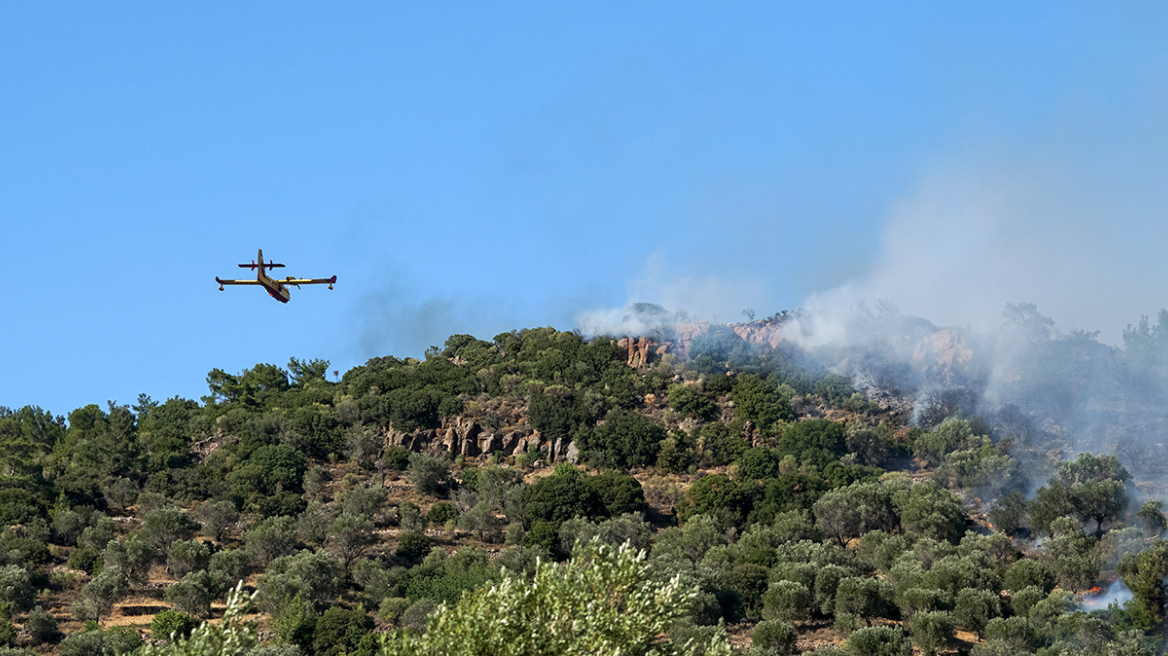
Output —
(733, 455)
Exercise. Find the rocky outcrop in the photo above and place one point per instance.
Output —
(760, 334)
(463, 436)
(945, 355)
(203, 449)
(642, 350)
(754, 333)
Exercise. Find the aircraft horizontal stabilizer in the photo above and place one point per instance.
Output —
(267, 265)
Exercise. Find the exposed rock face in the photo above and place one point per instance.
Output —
(463, 436)
(640, 349)
(643, 349)
(759, 334)
(944, 354)
(203, 449)
(415, 441)
(687, 332)
(754, 333)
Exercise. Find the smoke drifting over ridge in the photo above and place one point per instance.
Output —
(1002, 288)
(1037, 269)
(689, 297)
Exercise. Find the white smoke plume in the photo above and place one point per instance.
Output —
(662, 296)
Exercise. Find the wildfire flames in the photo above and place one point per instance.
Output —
(1098, 593)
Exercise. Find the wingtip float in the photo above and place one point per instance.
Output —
(277, 288)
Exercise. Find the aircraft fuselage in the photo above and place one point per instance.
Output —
(274, 289)
(278, 292)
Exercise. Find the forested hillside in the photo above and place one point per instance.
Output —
(725, 490)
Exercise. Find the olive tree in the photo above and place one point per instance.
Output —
(878, 641)
(349, 537)
(775, 637)
(162, 527)
(186, 556)
(786, 600)
(975, 608)
(103, 590)
(864, 597)
(315, 575)
(194, 593)
(216, 517)
(602, 601)
(16, 588)
(270, 539)
(429, 474)
(933, 630)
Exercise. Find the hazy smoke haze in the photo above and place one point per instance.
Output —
(969, 240)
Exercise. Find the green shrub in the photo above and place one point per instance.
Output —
(86, 559)
(339, 630)
(933, 630)
(719, 445)
(171, 624)
(295, 621)
(620, 493)
(429, 474)
(41, 626)
(115, 642)
(756, 401)
(442, 512)
(392, 608)
(560, 498)
(16, 588)
(412, 547)
(878, 641)
(626, 439)
(786, 600)
(776, 637)
(397, 458)
(690, 402)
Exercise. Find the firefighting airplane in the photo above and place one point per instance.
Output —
(277, 287)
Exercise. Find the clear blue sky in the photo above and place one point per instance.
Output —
(480, 167)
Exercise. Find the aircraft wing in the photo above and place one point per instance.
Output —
(236, 282)
(309, 281)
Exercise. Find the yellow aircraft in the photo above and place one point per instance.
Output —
(277, 288)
